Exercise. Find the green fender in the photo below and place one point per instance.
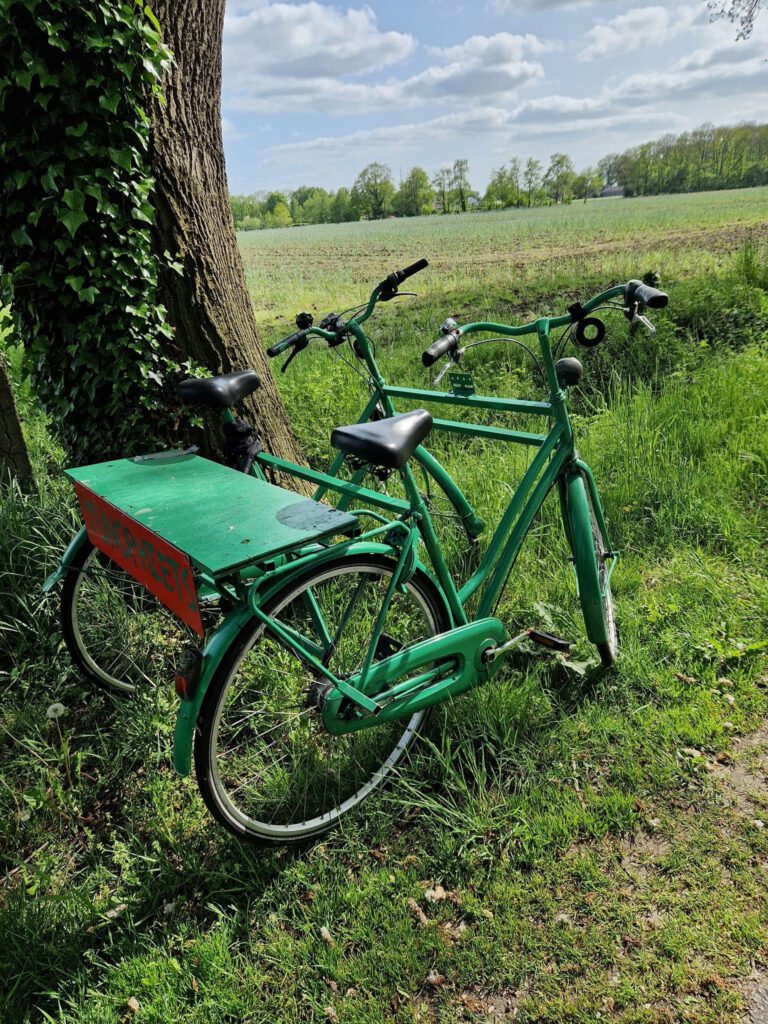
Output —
(578, 526)
(80, 538)
(217, 646)
(219, 642)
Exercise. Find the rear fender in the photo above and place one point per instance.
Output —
(214, 651)
(74, 546)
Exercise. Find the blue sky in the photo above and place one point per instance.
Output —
(313, 91)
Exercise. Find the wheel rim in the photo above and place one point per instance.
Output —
(124, 636)
(611, 636)
(289, 778)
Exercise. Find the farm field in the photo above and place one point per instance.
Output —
(566, 845)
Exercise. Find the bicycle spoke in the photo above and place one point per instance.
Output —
(288, 773)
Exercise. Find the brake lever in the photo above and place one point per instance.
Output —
(289, 360)
(452, 360)
(638, 318)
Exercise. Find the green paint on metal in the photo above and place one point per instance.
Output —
(334, 484)
(461, 383)
(461, 651)
(215, 650)
(471, 521)
(491, 433)
(585, 562)
(80, 538)
(470, 401)
(221, 518)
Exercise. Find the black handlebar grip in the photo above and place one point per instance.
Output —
(388, 287)
(281, 346)
(439, 348)
(637, 291)
(401, 275)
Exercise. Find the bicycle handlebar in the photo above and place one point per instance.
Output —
(448, 343)
(387, 289)
(293, 339)
(634, 293)
(644, 295)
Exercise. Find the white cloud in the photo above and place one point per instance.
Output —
(729, 52)
(488, 122)
(717, 80)
(490, 68)
(499, 49)
(307, 40)
(643, 26)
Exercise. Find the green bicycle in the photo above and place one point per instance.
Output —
(331, 631)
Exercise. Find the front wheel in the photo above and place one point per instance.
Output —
(592, 558)
(266, 767)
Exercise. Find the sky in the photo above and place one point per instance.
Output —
(314, 91)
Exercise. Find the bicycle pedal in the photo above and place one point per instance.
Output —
(549, 640)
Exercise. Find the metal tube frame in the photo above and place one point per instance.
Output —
(413, 522)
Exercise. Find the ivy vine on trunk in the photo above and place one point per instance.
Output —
(75, 203)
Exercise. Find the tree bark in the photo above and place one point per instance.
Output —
(14, 457)
(208, 305)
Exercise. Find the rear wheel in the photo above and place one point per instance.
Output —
(592, 560)
(266, 767)
(119, 635)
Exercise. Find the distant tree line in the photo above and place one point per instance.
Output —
(706, 158)
(703, 159)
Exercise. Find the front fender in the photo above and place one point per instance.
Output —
(80, 538)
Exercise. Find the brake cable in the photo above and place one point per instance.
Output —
(336, 351)
(514, 341)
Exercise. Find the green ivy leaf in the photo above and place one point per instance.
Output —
(48, 180)
(20, 237)
(75, 283)
(72, 220)
(74, 198)
(144, 213)
(77, 131)
(122, 157)
(110, 102)
(151, 17)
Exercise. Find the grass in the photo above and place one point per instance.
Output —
(560, 833)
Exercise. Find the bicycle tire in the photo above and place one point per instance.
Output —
(208, 737)
(147, 634)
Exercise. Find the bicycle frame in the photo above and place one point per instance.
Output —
(459, 654)
(556, 451)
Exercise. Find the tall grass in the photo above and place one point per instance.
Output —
(119, 887)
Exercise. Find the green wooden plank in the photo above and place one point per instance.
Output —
(221, 518)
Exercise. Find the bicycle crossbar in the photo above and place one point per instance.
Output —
(494, 433)
(334, 484)
(471, 401)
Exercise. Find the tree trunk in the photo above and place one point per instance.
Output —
(208, 304)
(14, 458)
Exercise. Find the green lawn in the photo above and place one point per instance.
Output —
(566, 845)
